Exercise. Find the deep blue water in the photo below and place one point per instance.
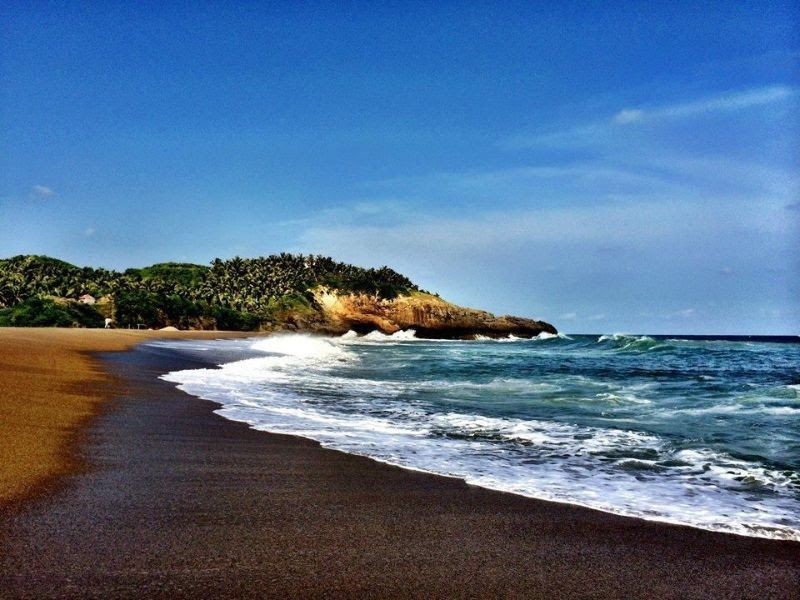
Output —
(704, 432)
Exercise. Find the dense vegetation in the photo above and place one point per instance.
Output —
(46, 312)
(239, 293)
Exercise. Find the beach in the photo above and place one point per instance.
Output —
(52, 387)
(119, 485)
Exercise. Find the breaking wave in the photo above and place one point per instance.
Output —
(631, 343)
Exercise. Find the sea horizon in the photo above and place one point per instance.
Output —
(732, 337)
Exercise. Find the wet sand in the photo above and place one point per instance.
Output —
(180, 502)
(50, 388)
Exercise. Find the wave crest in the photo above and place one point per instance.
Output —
(631, 343)
(300, 345)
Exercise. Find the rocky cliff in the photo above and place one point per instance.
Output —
(428, 315)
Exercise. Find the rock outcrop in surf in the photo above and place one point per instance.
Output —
(428, 315)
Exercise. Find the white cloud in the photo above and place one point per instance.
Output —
(42, 191)
(598, 131)
(731, 101)
(577, 172)
(89, 231)
(637, 223)
(723, 102)
(570, 316)
(686, 313)
(628, 115)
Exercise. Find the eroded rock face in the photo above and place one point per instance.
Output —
(428, 315)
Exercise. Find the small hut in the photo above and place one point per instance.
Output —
(87, 299)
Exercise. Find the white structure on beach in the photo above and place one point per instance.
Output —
(87, 299)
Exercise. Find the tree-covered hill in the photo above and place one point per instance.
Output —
(239, 293)
(187, 274)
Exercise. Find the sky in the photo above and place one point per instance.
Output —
(607, 167)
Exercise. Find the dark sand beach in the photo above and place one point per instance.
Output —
(52, 386)
(176, 501)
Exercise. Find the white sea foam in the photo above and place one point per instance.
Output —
(541, 336)
(301, 345)
(547, 435)
(734, 409)
(509, 338)
(629, 343)
(507, 385)
(781, 411)
(621, 398)
(614, 337)
(406, 335)
(375, 337)
(544, 335)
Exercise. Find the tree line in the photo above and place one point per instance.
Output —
(238, 293)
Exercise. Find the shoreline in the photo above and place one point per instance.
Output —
(655, 520)
(178, 499)
(54, 385)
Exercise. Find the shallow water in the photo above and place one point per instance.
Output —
(699, 432)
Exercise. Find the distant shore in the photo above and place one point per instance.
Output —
(175, 500)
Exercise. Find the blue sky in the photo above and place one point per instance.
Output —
(625, 168)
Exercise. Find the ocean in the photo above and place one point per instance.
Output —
(702, 432)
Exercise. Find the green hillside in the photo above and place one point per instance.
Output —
(239, 293)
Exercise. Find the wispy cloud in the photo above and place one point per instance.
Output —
(629, 115)
(572, 316)
(598, 130)
(42, 191)
(635, 223)
(642, 153)
(686, 313)
(507, 183)
(719, 103)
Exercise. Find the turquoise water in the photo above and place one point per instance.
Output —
(699, 432)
